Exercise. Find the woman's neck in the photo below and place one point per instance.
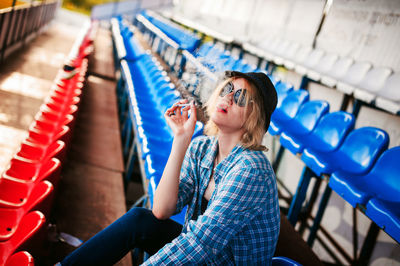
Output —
(226, 142)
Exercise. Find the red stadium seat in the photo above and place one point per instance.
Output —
(23, 171)
(22, 258)
(35, 152)
(63, 99)
(40, 199)
(63, 92)
(47, 137)
(28, 234)
(60, 110)
(55, 118)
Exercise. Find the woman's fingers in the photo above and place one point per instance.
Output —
(185, 111)
(177, 117)
(176, 108)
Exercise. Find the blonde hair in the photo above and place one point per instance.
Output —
(255, 123)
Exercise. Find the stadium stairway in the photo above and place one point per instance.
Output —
(91, 194)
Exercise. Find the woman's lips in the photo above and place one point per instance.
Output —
(222, 109)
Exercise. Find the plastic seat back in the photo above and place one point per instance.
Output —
(23, 169)
(204, 49)
(292, 102)
(245, 67)
(326, 63)
(302, 54)
(310, 113)
(291, 51)
(283, 47)
(274, 80)
(14, 194)
(282, 90)
(391, 88)
(386, 182)
(313, 58)
(36, 152)
(21, 258)
(198, 130)
(30, 228)
(40, 199)
(375, 79)
(361, 148)
(356, 72)
(331, 130)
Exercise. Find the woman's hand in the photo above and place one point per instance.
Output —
(177, 118)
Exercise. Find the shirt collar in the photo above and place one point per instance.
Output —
(211, 152)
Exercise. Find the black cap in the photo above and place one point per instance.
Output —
(264, 86)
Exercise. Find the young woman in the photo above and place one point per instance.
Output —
(225, 180)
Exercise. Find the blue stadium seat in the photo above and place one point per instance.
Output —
(381, 181)
(378, 190)
(287, 111)
(153, 183)
(204, 49)
(274, 80)
(160, 147)
(154, 164)
(185, 39)
(295, 133)
(282, 90)
(350, 155)
(326, 137)
(356, 156)
(383, 208)
(133, 49)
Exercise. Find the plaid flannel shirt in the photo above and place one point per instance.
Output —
(241, 223)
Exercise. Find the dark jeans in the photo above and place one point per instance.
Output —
(138, 228)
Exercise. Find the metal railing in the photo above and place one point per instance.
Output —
(19, 23)
(194, 76)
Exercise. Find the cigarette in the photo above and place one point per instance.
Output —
(183, 104)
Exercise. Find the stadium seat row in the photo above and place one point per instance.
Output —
(185, 39)
(365, 82)
(28, 185)
(368, 74)
(144, 95)
(328, 145)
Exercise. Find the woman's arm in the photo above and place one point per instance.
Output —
(166, 195)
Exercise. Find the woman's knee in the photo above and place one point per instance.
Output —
(139, 214)
(139, 218)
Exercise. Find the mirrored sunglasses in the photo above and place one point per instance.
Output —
(239, 97)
